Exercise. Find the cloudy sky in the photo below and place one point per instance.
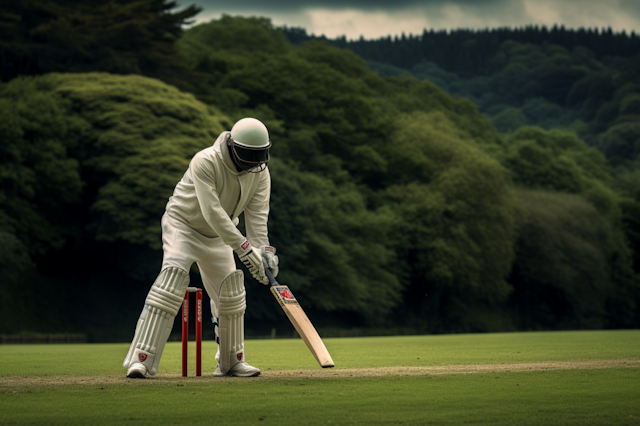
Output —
(377, 18)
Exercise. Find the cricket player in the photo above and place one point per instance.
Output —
(199, 225)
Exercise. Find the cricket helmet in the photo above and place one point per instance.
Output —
(249, 145)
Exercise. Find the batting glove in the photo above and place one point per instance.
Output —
(269, 254)
(253, 261)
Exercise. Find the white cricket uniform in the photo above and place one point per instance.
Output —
(199, 224)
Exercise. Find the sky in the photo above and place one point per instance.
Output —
(377, 18)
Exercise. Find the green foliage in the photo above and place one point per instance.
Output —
(627, 182)
(541, 111)
(621, 142)
(319, 220)
(628, 185)
(324, 96)
(458, 219)
(559, 161)
(234, 34)
(139, 134)
(561, 274)
(39, 177)
(393, 203)
(525, 76)
(631, 226)
(117, 36)
(343, 125)
(89, 158)
(408, 95)
(548, 85)
(509, 119)
(330, 255)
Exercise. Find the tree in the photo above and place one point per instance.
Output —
(621, 142)
(562, 273)
(117, 36)
(458, 226)
(335, 251)
(88, 162)
(559, 161)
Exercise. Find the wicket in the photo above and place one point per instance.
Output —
(185, 330)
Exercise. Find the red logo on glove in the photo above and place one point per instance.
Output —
(245, 245)
(142, 357)
(240, 356)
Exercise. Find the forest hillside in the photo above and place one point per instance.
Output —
(396, 207)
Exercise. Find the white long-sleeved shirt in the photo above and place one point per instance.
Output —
(212, 194)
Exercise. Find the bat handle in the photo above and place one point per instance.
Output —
(272, 279)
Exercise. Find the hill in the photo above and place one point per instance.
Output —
(396, 207)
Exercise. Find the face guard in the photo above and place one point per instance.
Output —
(249, 158)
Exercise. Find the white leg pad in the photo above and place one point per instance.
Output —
(156, 320)
(232, 305)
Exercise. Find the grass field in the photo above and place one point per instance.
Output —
(574, 378)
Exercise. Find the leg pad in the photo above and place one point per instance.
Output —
(156, 320)
(232, 305)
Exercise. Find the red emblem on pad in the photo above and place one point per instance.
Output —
(142, 357)
(240, 356)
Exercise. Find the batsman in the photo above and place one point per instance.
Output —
(199, 225)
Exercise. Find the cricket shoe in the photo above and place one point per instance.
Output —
(137, 371)
(241, 369)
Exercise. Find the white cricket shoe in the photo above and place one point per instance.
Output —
(137, 370)
(241, 369)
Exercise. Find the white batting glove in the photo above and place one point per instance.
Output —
(269, 254)
(253, 261)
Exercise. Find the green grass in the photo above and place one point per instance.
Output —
(290, 354)
(573, 397)
(569, 397)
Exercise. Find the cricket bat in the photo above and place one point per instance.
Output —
(300, 321)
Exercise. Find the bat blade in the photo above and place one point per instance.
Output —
(303, 326)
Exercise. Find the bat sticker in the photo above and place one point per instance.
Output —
(285, 296)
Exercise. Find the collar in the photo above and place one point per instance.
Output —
(221, 148)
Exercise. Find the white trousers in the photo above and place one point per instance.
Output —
(182, 246)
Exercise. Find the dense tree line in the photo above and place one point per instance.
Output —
(585, 80)
(394, 204)
(472, 52)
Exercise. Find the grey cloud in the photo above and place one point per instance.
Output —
(293, 5)
(412, 16)
(632, 7)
